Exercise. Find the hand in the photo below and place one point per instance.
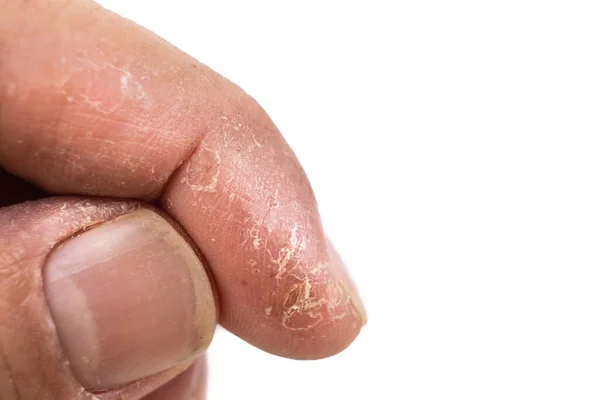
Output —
(190, 209)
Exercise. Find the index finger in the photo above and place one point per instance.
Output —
(93, 104)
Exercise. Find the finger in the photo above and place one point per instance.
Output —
(190, 385)
(94, 295)
(107, 108)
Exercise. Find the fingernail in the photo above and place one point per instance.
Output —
(129, 298)
(338, 268)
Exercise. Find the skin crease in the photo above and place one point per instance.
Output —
(106, 108)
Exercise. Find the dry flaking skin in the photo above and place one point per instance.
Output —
(249, 184)
(310, 295)
(130, 116)
(315, 296)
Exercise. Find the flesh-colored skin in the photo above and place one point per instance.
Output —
(92, 104)
(191, 385)
(32, 363)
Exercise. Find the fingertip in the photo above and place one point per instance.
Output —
(313, 311)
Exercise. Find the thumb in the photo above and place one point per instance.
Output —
(94, 295)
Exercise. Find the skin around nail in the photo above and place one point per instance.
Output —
(129, 298)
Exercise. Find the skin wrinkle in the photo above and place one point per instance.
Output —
(212, 128)
(20, 280)
(168, 176)
(192, 151)
(185, 160)
(85, 60)
(14, 390)
(199, 139)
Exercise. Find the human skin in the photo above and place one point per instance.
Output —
(94, 105)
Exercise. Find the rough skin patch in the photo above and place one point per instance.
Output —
(202, 171)
(312, 301)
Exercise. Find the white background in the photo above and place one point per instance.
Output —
(453, 147)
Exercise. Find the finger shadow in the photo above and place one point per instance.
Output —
(14, 190)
